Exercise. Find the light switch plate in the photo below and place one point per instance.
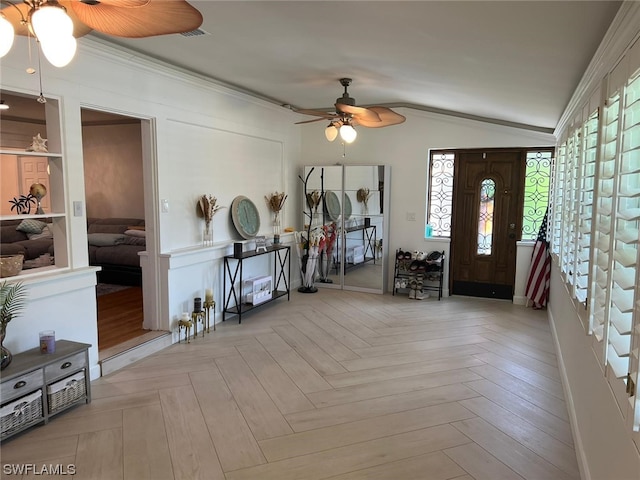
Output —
(164, 205)
(77, 208)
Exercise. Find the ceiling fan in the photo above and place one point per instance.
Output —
(348, 115)
(120, 18)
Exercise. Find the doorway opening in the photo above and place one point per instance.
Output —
(116, 227)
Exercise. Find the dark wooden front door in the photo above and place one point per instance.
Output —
(487, 219)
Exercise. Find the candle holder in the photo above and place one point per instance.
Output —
(195, 318)
(208, 305)
(185, 324)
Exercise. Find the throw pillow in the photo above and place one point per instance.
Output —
(46, 233)
(138, 241)
(31, 226)
(136, 233)
(105, 239)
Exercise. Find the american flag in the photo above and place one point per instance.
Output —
(540, 272)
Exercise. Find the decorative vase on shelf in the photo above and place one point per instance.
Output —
(5, 353)
(207, 235)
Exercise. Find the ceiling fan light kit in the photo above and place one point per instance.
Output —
(348, 115)
(56, 26)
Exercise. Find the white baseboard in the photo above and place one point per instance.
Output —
(519, 300)
(583, 465)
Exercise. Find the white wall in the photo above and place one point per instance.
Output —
(603, 441)
(202, 138)
(405, 148)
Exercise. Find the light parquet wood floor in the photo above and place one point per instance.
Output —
(334, 385)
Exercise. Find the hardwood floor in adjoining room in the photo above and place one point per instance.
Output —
(335, 385)
(120, 317)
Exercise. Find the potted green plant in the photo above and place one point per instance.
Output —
(13, 299)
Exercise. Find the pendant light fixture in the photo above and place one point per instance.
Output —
(49, 23)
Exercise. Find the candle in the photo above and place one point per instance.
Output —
(197, 305)
(208, 295)
(185, 315)
(48, 341)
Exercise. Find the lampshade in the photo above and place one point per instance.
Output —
(60, 51)
(331, 132)
(6, 35)
(51, 22)
(54, 30)
(348, 133)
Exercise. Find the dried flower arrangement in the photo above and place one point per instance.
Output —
(313, 200)
(275, 201)
(362, 195)
(208, 206)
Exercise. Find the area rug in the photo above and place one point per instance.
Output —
(106, 288)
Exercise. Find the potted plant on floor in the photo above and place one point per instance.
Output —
(13, 299)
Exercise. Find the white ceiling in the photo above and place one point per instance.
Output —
(515, 61)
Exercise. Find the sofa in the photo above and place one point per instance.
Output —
(27, 238)
(113, 245)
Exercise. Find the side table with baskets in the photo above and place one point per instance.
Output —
(36, 386)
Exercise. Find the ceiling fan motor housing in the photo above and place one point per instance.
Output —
(345, 99)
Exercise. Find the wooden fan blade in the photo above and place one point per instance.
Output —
(311, 121)
(152, 18)
(315, 113)
(387, 118)
(358, 112)
(14, 17)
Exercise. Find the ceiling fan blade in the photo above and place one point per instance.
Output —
(13, 15)
(151, 18)
(358, 112)
(315, 113)
(311, 121)
(387, 118)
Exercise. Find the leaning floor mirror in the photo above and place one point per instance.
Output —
(349, 204)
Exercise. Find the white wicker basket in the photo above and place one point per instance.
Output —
(65, 392)
(21, 412)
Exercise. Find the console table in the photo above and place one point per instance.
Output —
(369, 238)
(37, 386)
(233, 279)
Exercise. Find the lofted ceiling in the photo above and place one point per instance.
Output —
(514, 62)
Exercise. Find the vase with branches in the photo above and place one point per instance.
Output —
(208, 205)
(362, 195)
(275, 202)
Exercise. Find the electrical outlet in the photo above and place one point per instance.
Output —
(411, 216)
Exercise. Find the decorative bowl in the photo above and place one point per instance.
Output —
(10, 265)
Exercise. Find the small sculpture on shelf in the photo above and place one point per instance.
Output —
(37, 191)
(38, 144)
(22, 204)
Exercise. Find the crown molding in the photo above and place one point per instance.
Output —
(619, 37)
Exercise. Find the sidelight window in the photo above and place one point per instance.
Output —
(485, 216)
